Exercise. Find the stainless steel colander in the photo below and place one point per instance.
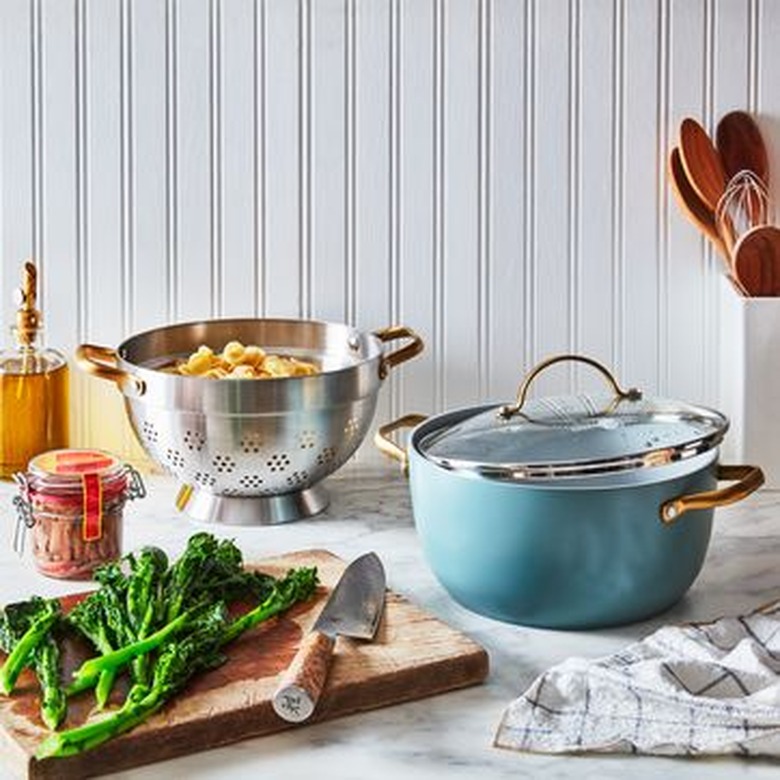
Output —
(252, 451)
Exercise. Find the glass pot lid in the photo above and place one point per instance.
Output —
(574, 435)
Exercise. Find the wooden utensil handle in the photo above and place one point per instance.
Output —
(297, 694)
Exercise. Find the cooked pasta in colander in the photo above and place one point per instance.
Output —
(237, 361)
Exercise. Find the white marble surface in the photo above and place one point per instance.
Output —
(450, 734)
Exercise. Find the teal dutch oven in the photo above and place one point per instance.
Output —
(576, 511)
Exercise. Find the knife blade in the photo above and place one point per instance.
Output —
(353, 609)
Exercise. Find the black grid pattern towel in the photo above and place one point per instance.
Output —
(709, 688)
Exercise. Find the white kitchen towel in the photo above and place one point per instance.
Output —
(706, 688)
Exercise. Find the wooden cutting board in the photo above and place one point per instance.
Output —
(413, 655)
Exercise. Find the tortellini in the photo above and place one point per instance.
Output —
(237, 361)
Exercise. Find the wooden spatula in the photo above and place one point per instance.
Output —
(692, 205)
(702, 163)
(757, 261)
(741, 146)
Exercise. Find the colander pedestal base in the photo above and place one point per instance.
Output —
(208, 507)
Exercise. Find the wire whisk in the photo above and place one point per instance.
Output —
(745, 204)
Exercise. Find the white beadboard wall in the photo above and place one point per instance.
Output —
(489, 172)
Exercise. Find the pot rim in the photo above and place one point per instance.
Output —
(568, 473)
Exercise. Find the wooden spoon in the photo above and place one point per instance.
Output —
(741, 146)
(757, 261)
(691, 204)
(702, 163)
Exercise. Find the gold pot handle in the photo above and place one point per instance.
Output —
(102, 363)
(402, 354)
(632, 394)
(387, 446)
(748, 479)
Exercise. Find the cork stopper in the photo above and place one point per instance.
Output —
(28, 318)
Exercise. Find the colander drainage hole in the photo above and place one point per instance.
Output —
(308, 440)
(223, 464)
(194, 440)
(326, 456)
(206, 480)
(252, 481)
(297, 478)
(175, 459)
(278, 462)
(150, 433)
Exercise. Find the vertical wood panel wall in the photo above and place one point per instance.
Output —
(490, 172)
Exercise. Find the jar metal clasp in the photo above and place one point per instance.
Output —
(135, 485)
(24, 513)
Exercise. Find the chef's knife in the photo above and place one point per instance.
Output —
(354, 609)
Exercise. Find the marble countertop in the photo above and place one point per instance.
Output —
(451, 733)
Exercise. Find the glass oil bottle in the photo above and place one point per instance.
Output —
(34, 388)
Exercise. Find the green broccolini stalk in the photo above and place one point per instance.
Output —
(101, 618)
(113, 593)
(89, 617)
(196, 646)
(54, 703)
(16, 618)
(114, 587)
(41, 621)
(297, 585)
(184, 578)
(145, 603)
(16, 624)
(121, 612)
(177, 662)
(144, 588)
(89, 673)
(210, 568)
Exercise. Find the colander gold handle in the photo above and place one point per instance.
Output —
(402, 354)
(387, 446)
(102, 362)
(746, 479)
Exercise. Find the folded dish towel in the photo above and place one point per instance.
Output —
(706, 688)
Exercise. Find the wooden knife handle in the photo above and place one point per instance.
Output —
(302, 684)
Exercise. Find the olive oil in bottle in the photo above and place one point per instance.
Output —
(34, 388)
